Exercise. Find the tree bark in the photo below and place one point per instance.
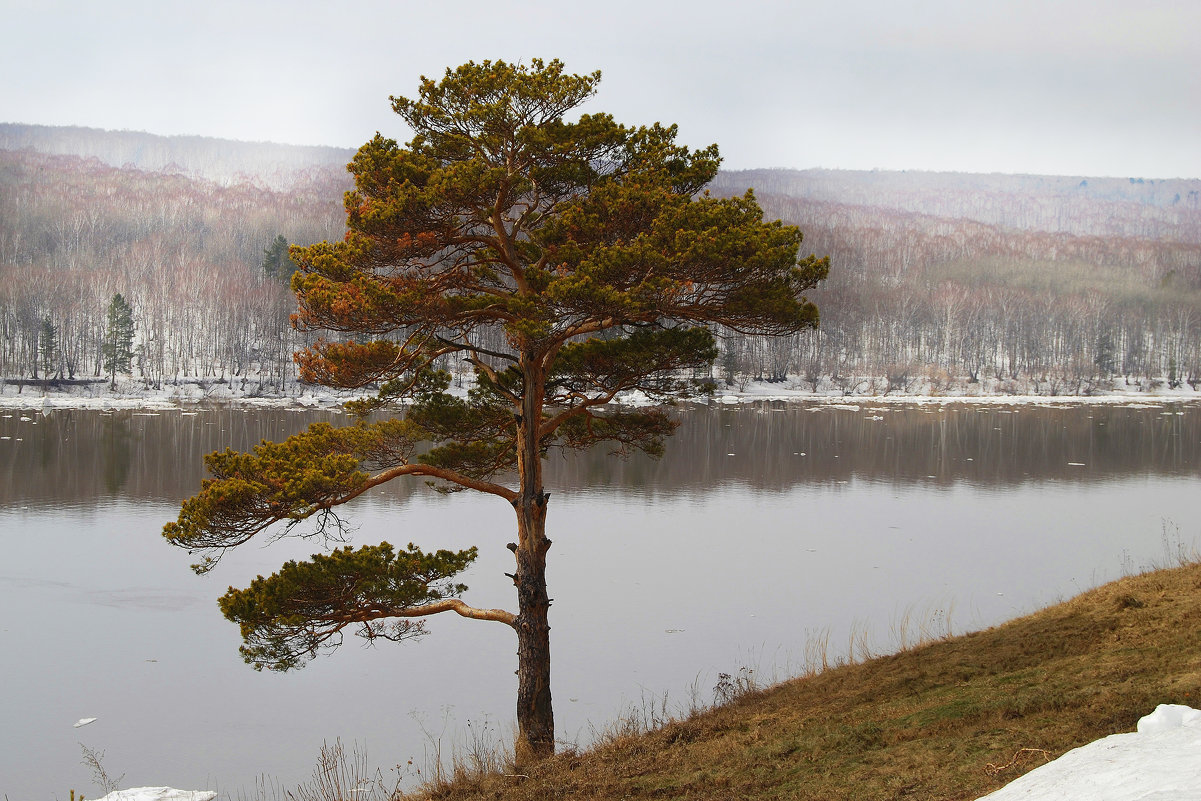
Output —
(535, 716)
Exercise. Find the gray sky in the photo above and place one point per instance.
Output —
(1076, 87)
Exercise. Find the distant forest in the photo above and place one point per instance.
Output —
(940, 282)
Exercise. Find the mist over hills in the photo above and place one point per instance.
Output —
(1087, 206)
(1092, 206)
(940, 282)
(221, 160)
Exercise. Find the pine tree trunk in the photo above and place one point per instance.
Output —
(535, 716)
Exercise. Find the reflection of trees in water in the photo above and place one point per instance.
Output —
(78, 456)
(116, 452)
(75, 456)
(776, 446)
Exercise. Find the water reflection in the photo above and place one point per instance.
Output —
(77, 456)
(118, 453)
(760, 527)
(74, 456)
(776, 446)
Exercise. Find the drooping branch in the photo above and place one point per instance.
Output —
(288, 617)
(291, 481)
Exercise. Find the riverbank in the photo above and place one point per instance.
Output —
(132, 394)
(955, 718)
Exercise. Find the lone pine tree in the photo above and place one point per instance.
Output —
(47, 349)
(277, 262)
(117, 348)
(567, 262)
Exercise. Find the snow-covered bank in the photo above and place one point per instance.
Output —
(878, 390)
(159, 794)
(135, 395)
(762, 391)
(1160, 761)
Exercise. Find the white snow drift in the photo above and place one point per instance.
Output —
(159, 794)
(1159, 762)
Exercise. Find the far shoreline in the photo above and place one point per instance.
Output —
(193, 393)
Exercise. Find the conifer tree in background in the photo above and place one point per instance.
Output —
(48, 347)
(568, 262)
(277, 263)
(118, 338)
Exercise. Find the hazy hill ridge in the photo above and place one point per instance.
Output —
(221, 160)
(942, 283)
(1086, 206)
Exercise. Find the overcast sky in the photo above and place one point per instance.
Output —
(1075, 87)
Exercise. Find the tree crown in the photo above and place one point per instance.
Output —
(501, 218)
(568, 261)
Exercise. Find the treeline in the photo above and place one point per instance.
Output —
(184, 253)
(917, 302)
(938, 281)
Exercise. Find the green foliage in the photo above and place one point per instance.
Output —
(48, 346)
(648, 360)
(1106, 358)
(287, 618)
(286, 482)
(483, 415)
(118, 337)
(568, 262)
(502, 221)
(277, 263)
(501, 214)
(642, 429)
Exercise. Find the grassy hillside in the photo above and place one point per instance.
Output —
(953, 719)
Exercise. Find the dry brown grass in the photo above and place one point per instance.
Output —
(953, 719)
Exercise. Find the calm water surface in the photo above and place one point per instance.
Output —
(765, 528)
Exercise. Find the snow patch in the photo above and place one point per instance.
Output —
(1170, 716)
(1161, 761)
(159, 794)
(189, 392)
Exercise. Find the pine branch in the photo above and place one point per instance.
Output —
(288, 617)
(307, 474)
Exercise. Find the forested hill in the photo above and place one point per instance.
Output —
(1121, 207)
(220, 160)
(940, 282)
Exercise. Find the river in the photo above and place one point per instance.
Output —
(769, 535)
